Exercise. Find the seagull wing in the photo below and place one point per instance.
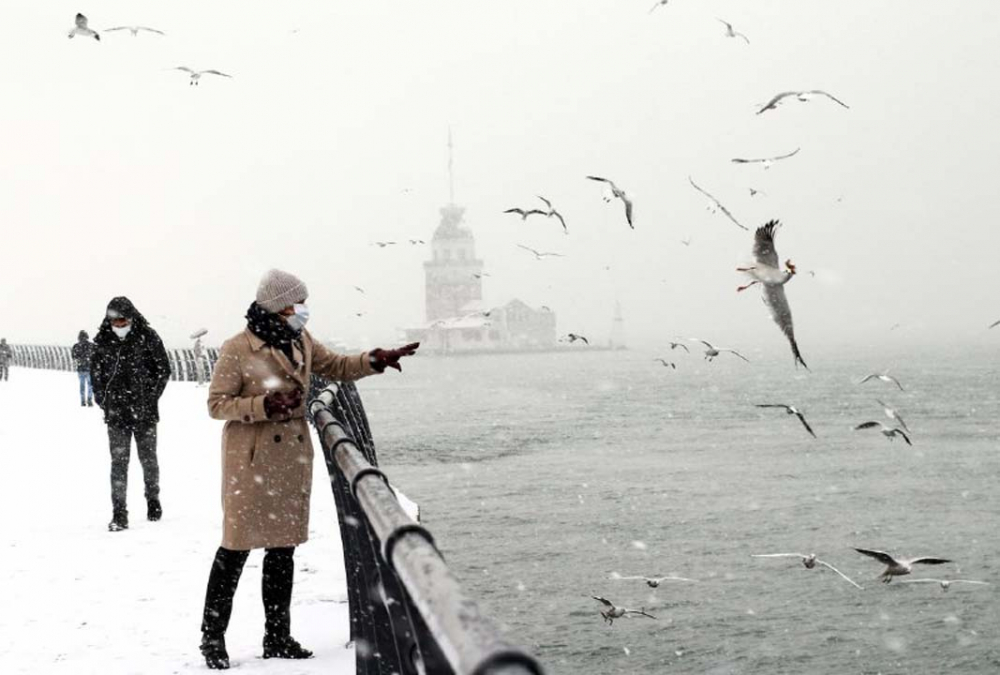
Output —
(903, 434)
(704, 342)
(994, 324)
(215, 72)
(968, 581)
(894, 381)
(108, 30)
(603, 601)
(868, 425)
(778, 555)
(561, 220)
(829, 96)
(842, 575)
(628, 209)
(520, 212)
(776, 100)
(929, 561)
(672, 578)
(763, 244)
(682, 345)
(621, 578)
(785, 156)
(805, 424)
(614, 187)
(717, 203)
(921, 581)
(728, 25)
(742, 36)
(895, 416)
(773, 405)
(777, 302)
(868, 377)
(528, 248)
(733, 351)
(185, 69)
(881, 556)
(547, 202)
(151, 30)
(640, 612)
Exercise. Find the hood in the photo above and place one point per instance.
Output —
(123, 306)
(83, 336)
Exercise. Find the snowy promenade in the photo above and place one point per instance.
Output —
(77, 599)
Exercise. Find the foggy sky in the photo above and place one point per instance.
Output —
(118, 178)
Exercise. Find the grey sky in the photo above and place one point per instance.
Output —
(119, 178)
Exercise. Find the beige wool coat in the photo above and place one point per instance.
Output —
(267, 462)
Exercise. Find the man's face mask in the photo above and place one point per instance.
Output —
(298, 320)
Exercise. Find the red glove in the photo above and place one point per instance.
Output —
(380, 358)
(282, 402)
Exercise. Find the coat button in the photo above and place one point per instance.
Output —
(246, 418)
(277, 438)
(301, 439)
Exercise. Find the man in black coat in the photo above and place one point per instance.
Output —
(130, 370)
(82, 351)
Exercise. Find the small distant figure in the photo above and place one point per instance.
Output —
(130, 369)
(200, 363)
(6, 356)
(82, 351)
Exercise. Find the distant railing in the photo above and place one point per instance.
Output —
(409, 614)
(59, 357)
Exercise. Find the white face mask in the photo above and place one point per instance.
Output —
(122, 332)
(298, 320)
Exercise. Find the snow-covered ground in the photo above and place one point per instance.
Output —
(75, 598)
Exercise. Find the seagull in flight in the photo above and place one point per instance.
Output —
(891, 413)
(617, 193)
(359, 290)
(540, 254)
(652, 582)
(82, 30)
(524, 214)
(686, 242)
(994, 324)
(573, 337)
(888, 432)
(802, 96)
(675, 345)
(898, 567)
(135, 30)
(885, 377)
(943, 583)
(480, 275)
(552, 213)
(383, 244)
(612, 612)
(754, 193)
(711, 351)
(196, 74)
(809, 561)
(667, 363)
(766, 161)
(715, 205)
(732, 33)
(416, 241)
(768, 272)
(791, 410)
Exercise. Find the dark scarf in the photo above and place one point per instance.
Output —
(273, 330)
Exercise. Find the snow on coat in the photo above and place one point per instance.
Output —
(267, 462)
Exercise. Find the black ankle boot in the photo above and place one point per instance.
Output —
(214, 651)
(153, 509)
(285, 647)
(119, 521)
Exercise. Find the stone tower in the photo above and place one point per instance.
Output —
(452, 286)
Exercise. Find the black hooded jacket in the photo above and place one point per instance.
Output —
(82, 351)
(129, 375)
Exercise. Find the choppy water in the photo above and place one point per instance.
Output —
(540, 474)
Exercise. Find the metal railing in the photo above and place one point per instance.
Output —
(409, 614)
(59, 357)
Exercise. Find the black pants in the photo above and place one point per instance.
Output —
(276, 587)
(120, 439)
(4, 371)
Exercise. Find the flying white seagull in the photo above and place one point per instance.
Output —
(675, 345)
(943, 583)
(135, 30)
(884, 377)
(617, 193)
(552, 213)
(573, 337)
(196, 74)
(802, 96)
(652, 582)
(898, 567)
(809, 561)
(541, 254)
(82, 30)
(888, 432)
(715, 205)
(612, 612)
(791, 410)
(767, 271)
(525, 213)
(667, 364)
(711, 351)
(766, 161)
(891, 413)
(732, 33)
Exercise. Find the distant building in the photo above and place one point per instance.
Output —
(456, 319)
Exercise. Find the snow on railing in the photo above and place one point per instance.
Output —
(59, 357)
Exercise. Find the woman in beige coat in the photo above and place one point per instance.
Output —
(267, 455)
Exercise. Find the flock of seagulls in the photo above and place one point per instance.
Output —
(82, 29)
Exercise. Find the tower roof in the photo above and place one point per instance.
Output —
(451, 226)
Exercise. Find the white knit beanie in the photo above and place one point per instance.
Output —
(278, 290)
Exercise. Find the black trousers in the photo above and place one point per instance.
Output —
(120, 439)
(4, 371)
(276, 587)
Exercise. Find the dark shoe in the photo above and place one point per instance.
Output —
(153, 510)
(214, 651)
(90, 404)
(118, 524)
(82, 404)
(284, 648)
